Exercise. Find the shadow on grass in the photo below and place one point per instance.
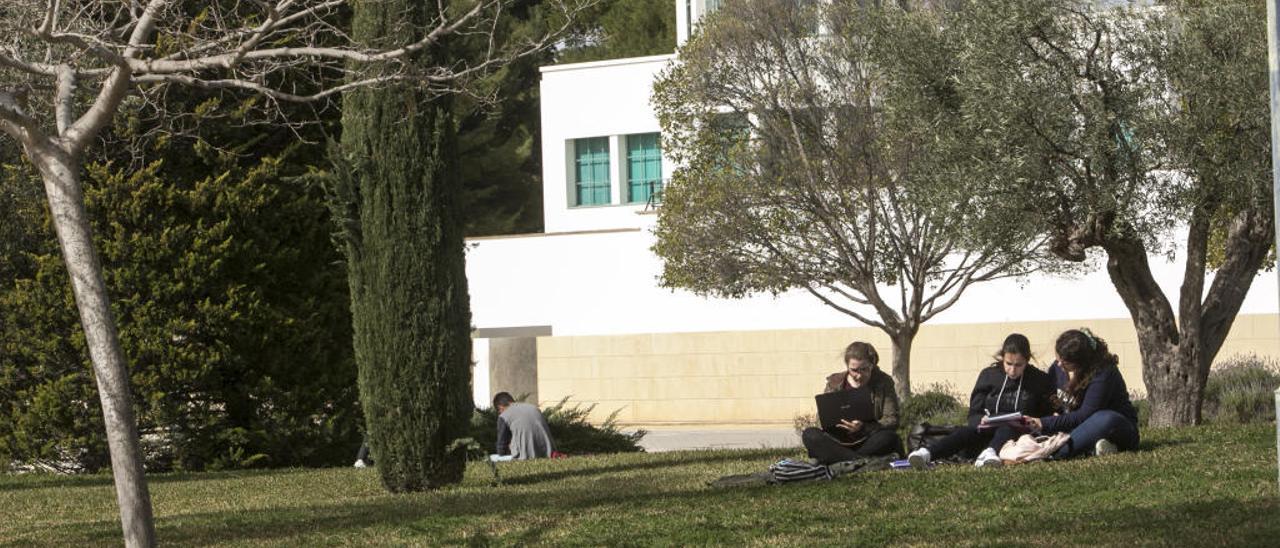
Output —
(451, 514)
(439, 518)
(454, 517)
(540, 477)
(1199, 523)
(1158, 444)
(70, 481)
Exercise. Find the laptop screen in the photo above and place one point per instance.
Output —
(848, 405)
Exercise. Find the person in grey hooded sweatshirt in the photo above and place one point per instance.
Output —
(523, 432)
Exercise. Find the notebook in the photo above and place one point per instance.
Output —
(1014, 420)
(849, 405)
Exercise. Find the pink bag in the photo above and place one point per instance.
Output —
(1029, 448)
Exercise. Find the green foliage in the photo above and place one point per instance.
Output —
(807, 164)
(1155, 496)
(230, 304)
(571, 430)
(614, 29)
(1242, 389)
(1214, 55)
(396, 195)
(1143, 407)
(935, 405)
(499, 151)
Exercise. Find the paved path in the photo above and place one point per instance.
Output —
(673, 439)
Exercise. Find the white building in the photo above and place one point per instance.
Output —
(576, 311)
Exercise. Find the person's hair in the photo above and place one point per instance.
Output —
(502, 399)
(859, 350)
(1015, 343)
(1089, 353)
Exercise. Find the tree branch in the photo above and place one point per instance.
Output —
(844, 310)
(9, 58)
(64, 98)
(232, 83)
(16, 120)
(114, 88)
(231, 59)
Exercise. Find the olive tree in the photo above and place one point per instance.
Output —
(800, 158)
(1115, 128)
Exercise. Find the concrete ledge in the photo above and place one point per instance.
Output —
(657, 441)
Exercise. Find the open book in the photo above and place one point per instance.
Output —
(1015, 420)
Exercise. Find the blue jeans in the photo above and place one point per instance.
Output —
(1106, 424)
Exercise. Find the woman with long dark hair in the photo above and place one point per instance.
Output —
(1009, 385)
(851, 439)
(1091, 397)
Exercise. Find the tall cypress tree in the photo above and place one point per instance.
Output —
(397, 196)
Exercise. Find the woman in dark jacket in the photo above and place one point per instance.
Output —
(854, 439)
(1009, 385)
(1091, 397)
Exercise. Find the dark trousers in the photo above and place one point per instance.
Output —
(1102, 424)
(969, 438)
(827, 449)
(363, 453)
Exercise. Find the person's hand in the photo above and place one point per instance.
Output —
(851, 426)
(1034, 423)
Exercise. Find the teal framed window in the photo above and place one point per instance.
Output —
(644, 167)
(591, 171)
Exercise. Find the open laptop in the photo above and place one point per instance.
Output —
(849, 405)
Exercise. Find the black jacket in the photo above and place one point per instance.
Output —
(996, 393)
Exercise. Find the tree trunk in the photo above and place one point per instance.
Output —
(902, 341)
(1169, 372)
(1165, 370)
(409, 302)
(1178, 352)
(61, 176)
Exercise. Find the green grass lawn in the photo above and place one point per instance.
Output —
(1193, 486)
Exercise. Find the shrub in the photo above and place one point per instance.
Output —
(232, 305)
(1142, 406)
(804, 420)
(572, 432)
(937, 404)
(1241, 389)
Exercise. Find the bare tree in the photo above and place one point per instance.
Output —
(799, 167)
(69, 65)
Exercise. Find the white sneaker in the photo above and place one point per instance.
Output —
(360, 464)
(920, 458)
(1105, 447)
(988, 459)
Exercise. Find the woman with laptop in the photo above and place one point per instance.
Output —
(1008, 388)
(1092, 399)
(872, 429)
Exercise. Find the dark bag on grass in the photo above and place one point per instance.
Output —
(787, 471)
(791, 471)
(924, 433)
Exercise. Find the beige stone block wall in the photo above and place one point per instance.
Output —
(766, 378)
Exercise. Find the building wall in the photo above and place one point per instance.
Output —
(730, 378)
(619, 340)
(606, 283)
(597, 99)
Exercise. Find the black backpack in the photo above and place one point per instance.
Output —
(924, 434)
